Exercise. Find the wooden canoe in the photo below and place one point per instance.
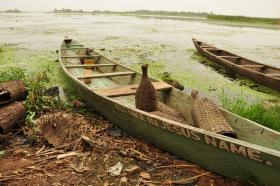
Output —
(253, 157)
(263, 74)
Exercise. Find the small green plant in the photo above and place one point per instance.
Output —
(36, 87)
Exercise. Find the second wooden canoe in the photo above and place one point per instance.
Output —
(260, 73)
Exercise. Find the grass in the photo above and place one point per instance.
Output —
(12, 73)
(267, 115)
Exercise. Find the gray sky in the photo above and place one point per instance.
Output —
(260, 8)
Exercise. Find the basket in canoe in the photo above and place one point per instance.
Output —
(260, 73)
(253, 157)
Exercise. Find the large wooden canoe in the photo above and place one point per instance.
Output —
(263, 74)
(253, 157)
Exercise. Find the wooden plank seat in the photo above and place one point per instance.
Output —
(82, 56)
(274, 74)
(130, 89)
(232, 57)
(208, 48)
(252, 66)
(213, 49)
(71, 48)
(107, 75)
(93, 66)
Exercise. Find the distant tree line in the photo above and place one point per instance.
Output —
(11, 11)
(209, 16)
(158, 12)
(66, 10)
(244, 19)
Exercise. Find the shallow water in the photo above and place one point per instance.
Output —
(165, 44)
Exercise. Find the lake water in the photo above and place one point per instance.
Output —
(164, 43)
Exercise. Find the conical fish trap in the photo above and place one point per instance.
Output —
(146, 98)
(167, 112)
(207, 115)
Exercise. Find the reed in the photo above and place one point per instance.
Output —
(244, 19)
(264, 114)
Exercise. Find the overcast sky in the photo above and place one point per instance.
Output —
(260, 8)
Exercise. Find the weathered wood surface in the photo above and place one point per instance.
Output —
(10, 116)
(81, 56)
(106, 75)
(274, 75)
(256, 71)
(73, 48)
(129, 90)
(233, 57)
(252, 66)
(93, 66)
(11, 91)
(255, 157)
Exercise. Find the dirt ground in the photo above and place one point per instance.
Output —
(73, 149)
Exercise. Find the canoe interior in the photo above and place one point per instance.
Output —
(119, 77)
(237, 60)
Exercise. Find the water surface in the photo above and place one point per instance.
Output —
(163, 43)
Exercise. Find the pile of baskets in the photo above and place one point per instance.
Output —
(12, 110)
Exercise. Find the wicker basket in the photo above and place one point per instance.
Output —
(169, 113)
(86, 52)
(208, 116)
(146, 98)
(11, 91)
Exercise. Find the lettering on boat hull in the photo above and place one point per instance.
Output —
(209, 140)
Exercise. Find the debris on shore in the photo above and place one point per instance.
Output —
(166, 77)
(62, 145)
(75, 149)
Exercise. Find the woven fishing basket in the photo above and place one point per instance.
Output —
(16, 89)
(146, 98)
(208, 116)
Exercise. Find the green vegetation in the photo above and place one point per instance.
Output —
(12, 73)
(36, 102)
(157, 13)
(12, 11)
(267, 115)
(244, 19)
(6, 55)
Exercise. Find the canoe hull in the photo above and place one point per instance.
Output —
(223, 155)
(193, 148)
(260, 78)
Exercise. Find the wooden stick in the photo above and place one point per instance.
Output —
(141, 154)
(169, 182)
(175, 166)
(40, 149)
